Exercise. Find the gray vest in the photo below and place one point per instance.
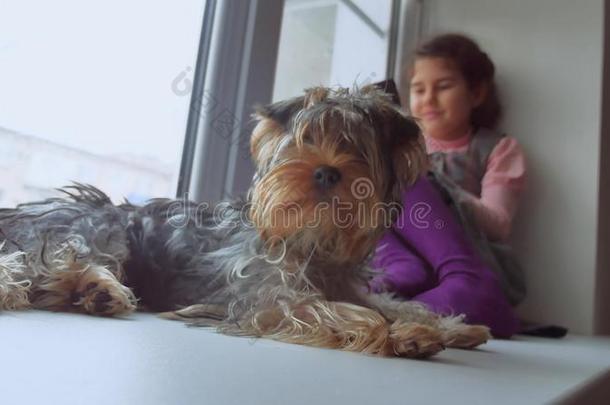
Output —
(453, 172)
(468, 168)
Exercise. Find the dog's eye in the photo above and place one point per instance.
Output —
(308, 140)
(304, 139)
(350, 144)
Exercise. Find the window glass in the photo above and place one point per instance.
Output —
(95, 92)
(332, 43)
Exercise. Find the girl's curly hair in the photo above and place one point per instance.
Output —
(476, 67)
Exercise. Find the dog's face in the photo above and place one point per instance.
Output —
(330, 169)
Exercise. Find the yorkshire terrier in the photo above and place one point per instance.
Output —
(290, 262)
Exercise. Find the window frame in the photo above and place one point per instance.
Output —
(236, 71)
(195, 104)
(239, 74)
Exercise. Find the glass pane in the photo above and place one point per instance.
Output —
(95, 92)
(332, 43)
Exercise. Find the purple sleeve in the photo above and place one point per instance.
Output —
(462, 283)
(404, 272)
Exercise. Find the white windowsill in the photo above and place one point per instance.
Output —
(74, 359)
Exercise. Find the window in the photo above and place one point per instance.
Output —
(332, 43)
(95, 92)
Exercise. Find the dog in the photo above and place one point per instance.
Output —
(289, 262)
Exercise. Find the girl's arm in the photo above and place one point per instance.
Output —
(463, 284)
(501, 189)
(404, 272)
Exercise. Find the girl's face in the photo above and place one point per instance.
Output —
(441, 99)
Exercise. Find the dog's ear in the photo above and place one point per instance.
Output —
(281, 112)
(274, 121)
(407, 151)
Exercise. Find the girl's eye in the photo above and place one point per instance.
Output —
(445, 85)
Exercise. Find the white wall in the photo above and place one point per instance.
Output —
(602, 296)
(548, 55)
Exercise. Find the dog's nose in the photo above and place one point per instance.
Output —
(326, 176)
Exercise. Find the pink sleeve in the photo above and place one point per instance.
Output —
(501, 189)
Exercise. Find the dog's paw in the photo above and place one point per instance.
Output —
(104, 297)
(464, 336)
(414, 340)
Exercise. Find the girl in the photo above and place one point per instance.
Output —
(446, 250)
(452, 93)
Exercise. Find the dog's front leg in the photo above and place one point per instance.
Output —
(84, 287)
(456, 333)
(14, 281)
(338, 325)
